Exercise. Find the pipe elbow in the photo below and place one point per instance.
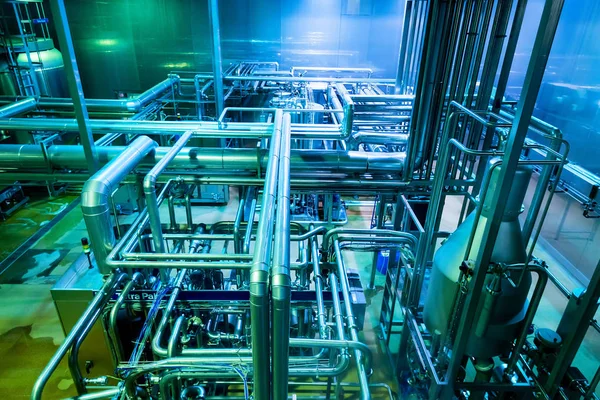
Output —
(150, 183)
(157, 350)
(95, 197)
(343, 364)
(134, 105)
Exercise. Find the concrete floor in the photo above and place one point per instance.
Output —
(30, 330)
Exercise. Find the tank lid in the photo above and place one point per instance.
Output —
(548, 338)
(38, 44)
(514, 203)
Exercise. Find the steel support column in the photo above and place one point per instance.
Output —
(572, 328)
(533, 79)
(213, 12)
(74, 81)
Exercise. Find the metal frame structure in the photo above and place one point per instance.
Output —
(278, 302)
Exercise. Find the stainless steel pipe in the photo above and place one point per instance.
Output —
(259, 274)
(19, 107)
(150, 190)
(29, 157)
(96, 193)
(281, 280)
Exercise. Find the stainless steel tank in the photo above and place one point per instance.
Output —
(509, 309)
(8, 85)
(47, 65)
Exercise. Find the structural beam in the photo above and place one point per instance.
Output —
(213, 12)
(74, 82)
(516, 139)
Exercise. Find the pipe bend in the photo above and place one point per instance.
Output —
(150, 183)
(96, 194)
(172, 349)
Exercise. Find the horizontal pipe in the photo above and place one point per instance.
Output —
(18, 107)
(104, 394)
(306, 79)
(133, 105)
(71, 157)
(136, 126)
(383, 138)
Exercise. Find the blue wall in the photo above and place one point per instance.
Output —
(570, 94)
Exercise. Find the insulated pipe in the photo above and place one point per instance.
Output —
(97, 303)
(348, 108)
(384, 138)
(19, 107)
(134, 104)
(259, 274)
(367, 71)
(281, 281)
(215, 129)
(96, 193)
(153, 93)
(28, 157)
(305, 79)
(150, 191)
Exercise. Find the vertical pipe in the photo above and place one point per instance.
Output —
(408, 6)
(238, 222)
(250, 222)
(318, 278)
(380, 215)
(213, 12)
(345, 286)
(259, 273)
(280, 273)
(533, 79)
(74, 80)
(150, 190)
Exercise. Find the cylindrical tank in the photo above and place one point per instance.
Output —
(8, 86)
(48, 68)
(510, 305)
